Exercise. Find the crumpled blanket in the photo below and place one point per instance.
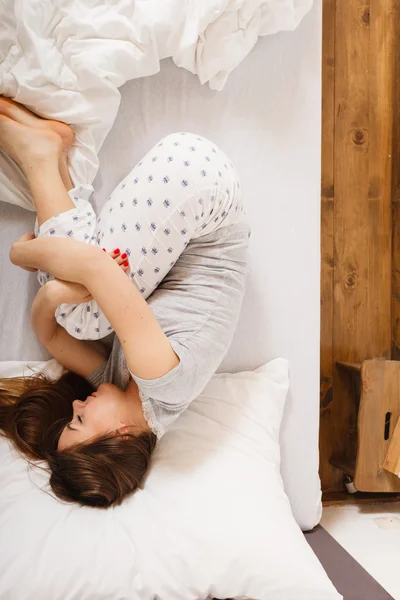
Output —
(66, 59)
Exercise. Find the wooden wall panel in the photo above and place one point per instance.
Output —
(351, 222)
(396, 195)
(356, 209)
(381, 86)
(329, 475)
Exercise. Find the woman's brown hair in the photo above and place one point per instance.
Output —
(33, 413)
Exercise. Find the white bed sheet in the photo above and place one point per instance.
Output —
(268, 120)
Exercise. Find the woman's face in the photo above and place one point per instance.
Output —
(107, 410)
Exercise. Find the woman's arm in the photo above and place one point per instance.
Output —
(65, 258)
(75, 355)
(43, 322)
(147, 349)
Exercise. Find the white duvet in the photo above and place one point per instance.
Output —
(66, 59)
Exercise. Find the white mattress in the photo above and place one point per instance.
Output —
(268, 121)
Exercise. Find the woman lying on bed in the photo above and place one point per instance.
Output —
(173, 232)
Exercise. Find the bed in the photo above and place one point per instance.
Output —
(267, 118)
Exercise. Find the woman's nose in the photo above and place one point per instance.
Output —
(77, 403)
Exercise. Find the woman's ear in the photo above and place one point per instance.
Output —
(124, 431)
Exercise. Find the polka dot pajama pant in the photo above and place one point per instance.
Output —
(184, 188)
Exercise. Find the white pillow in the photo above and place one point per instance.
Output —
(212, 519)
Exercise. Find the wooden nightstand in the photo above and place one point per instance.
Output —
(372, 455)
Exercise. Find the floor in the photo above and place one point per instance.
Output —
(371, 534)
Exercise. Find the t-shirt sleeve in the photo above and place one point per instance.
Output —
(97, 377)
(165, 398)
(173, 388)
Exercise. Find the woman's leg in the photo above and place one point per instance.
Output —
(22, 115)
(27, 138)
(37, 153)
(64, 172)
(41, 155)
(185, 187)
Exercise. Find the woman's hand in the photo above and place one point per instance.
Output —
(27, 237)
(65, 292)
(121, 259)
(75, 293)
(65, 258)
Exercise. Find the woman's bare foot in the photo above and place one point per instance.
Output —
(19, 113)
(121, 259)
(29, 147)
(22, 115)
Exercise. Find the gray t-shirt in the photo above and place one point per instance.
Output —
(197, 305)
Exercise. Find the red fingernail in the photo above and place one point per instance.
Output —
(124, 255)
(126, 264)
(116, 251)
(104, 250)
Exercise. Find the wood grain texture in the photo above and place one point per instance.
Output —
(328, 473)
(375, 394)
(356, 270)
(392, 459)
(396, 196)
(380, 395)
(381, 73)
(350, 288)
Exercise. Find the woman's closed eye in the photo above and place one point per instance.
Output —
(77, 419)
